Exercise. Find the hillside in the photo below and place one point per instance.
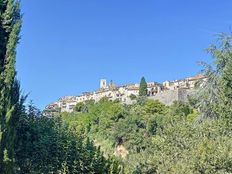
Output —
(177, 127)
(150, 137)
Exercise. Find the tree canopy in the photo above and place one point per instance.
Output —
(143, 87)
(10, 100)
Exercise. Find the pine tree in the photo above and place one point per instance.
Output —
(143, 87)
(10, 104)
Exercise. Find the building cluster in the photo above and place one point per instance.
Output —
(122, 93)
(187, 83)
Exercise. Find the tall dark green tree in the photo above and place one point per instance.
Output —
(143, 87)
(10, 104)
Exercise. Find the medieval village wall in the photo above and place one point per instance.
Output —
(169, 96)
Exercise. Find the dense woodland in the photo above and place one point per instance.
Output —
(109, 137)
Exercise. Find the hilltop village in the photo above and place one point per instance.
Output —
(167, 93)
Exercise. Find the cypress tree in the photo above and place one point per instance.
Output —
(10, 105)
(143, 87)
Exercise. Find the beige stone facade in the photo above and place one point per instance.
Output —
(123, 93)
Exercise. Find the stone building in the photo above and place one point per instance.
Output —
(167, 93)
(189, 82)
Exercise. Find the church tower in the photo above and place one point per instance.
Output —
(103, 84)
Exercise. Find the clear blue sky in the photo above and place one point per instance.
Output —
(67, 46)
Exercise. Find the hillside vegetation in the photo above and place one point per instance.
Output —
(29, 142)
(110, 138)
(149, 137)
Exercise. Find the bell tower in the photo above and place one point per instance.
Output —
(103, 84)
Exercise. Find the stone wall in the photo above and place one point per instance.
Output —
(169, 96)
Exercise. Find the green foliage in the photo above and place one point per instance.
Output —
(80, 107)
(155, 138)
(30, 142)
(180, 108)
(10, 103)
(215, 95)
(111, 124)
(133, 97)
(46, 145)
(84, 106)
(174, 139)
(143, 87)
(188, 149)
(154, 106)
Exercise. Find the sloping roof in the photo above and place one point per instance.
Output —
(197, 77)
